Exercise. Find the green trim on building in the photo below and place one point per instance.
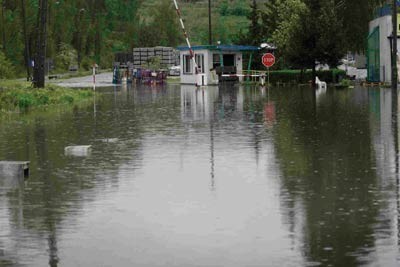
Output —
(373, 56)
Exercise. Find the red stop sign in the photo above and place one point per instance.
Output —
(268, 60)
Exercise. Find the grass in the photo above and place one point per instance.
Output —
(17, 96)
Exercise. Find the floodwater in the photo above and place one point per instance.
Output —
(221, 176)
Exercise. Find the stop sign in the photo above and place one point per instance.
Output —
(268, 60)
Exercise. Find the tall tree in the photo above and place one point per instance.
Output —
(307, 32)
(356, 16)
(3, 30)
(39, 68)
(254, 35)
(27, 52)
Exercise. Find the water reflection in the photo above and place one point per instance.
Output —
(395, 128)
(185, 176)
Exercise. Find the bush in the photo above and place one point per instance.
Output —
(67, 99)
(25, 101)
(236, 8)
(6, 68)
(66, 57)
(295, 76)
(223, 8)
(153, 63)
(86, 63)
(16, 95)
(85, 93)
(345, 83)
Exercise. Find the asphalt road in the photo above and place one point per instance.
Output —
(102, 80)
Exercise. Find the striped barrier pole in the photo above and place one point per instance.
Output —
(243, 75)
(94, 77)
(178, 12)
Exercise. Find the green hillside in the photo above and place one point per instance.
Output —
(80, 32)
(229, 17)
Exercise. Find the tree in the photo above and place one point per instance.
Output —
(306, 32)
(283, 21)
(254, 35)
(26, 41)
(165, 25)
(3, 30)
(356, 16)
(162, 29)
(6, 68)
(269, 17)
(38, 74)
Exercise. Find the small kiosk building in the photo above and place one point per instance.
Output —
(212, 60)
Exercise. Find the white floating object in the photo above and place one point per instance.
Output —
(320, 83)
(13, 173)
(78, 151)
(109, 140)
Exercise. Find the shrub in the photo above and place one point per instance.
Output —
(67, 56)
(67, 99)
(236, 8)
(345, 83)
(223, 8)
(153, 63)
(85, 93)
(6, 68)
(16, 95)
(295, 76)
(86, 63)
(42, 98)
(25, 101)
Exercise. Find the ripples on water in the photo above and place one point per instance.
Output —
(228, 176)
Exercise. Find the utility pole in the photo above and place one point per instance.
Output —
(394, 48)
(38, 72)
(209, 23)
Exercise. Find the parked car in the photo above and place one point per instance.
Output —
(174, 71)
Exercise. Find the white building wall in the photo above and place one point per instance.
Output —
(212, 78)
(385, 30)
(208, 66)
(189, 78)
(239, 64)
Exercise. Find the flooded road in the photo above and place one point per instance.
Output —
(222, 176)
(101, 80)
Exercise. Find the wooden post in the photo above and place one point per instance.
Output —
(249, 65)
(94, 76)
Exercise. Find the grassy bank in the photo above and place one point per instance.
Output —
(18, 96)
